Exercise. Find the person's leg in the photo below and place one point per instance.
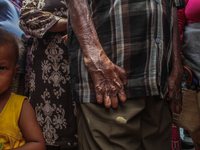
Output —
(138, 124)
(85, 139)
(110, 129)
(156, 125)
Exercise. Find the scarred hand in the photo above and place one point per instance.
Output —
(175, 92)
(109, 81)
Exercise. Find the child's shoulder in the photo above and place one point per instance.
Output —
(17, 98)
(13, 108)
(16, 101)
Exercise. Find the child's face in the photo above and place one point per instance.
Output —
(8, 69)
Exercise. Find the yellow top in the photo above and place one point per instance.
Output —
(10, 133)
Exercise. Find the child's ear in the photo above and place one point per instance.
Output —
(16, 69)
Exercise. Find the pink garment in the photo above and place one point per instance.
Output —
(189, 14)
(176, 141)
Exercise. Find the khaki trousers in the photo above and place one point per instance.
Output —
(143, 123)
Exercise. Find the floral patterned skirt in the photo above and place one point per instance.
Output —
(48, 88)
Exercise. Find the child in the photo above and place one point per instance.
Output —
(19, 129)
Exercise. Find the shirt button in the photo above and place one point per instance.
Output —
(157, 40)
(157, 1)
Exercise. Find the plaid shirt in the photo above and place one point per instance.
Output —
(137, 36)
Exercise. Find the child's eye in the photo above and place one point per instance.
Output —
(2, 68)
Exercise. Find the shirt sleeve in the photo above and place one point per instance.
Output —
(179, 4)
(34, 21)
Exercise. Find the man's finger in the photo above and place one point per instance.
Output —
(99, 98)
(107, 101)
(114, 101)
(122, 96)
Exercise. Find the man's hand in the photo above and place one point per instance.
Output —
(175, 92)
(109, 81)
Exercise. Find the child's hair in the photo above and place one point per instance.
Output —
(8, 38)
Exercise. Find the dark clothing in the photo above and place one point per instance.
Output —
(49, 85)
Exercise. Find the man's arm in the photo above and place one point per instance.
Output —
(175, 79)
(109, 80)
